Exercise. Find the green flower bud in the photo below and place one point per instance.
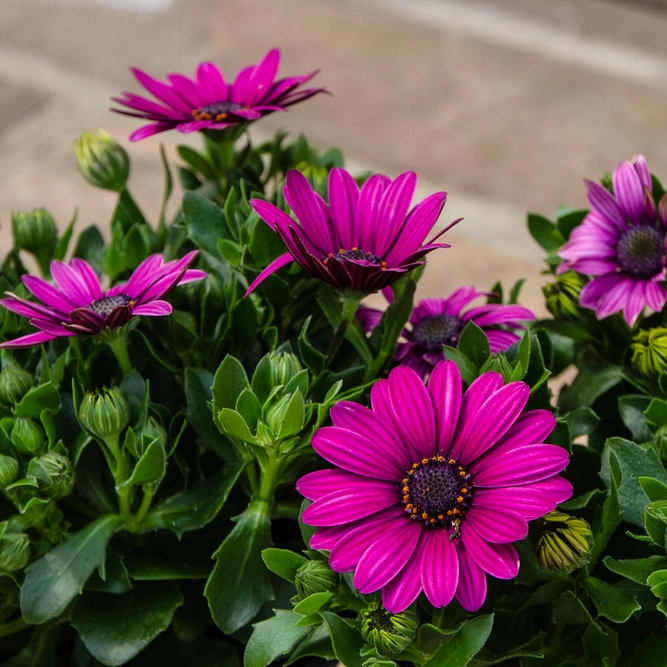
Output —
(284, 366)
(149, 432)
(649, 351)
(562, 296)
(105, 413)
(660, 442)
(14, 384)
(315, 577)
(35, 232)
(14, 551)
(9, 469)
(27, 436)
(102, 161)
(275, 414)
(54, 474)
(564, 543)
(388, 633)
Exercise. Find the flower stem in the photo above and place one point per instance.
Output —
(118, 343)
(149, 491)
(350, 305)
(13, 627)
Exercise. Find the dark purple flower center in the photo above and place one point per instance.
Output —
(434, 331)
(216, 111)
(641, 251)
(106, 304)
(356, 254)
(437, 491)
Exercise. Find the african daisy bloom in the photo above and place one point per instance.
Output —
(208, 102)
(77, 305)
(438, 322)
(622, 243)
(363, 240)
(431, 485)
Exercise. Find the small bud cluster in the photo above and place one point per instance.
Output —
(564, 543)
(388, 633)
(649, 351)
(315, 577)
(102, 161)
(105, 413)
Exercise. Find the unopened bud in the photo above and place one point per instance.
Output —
(102, 161)
(54, 474)
(315, 577)
(649, 351)
(27, 436)
(105, 413)
(284, 366)
(14, 551)
(564, 543)
(9, 470)
(562, 296)
(35, 232)
(148, 433)
(275, 414)
(14, 384)
(388, 633)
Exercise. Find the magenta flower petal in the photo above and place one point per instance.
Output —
(406, 586)
(276, 264)
(444, 386)
(501, 340)
(344, 198)
(326, 538)
(471, 591)
(368, 209)
(602, 200)
(530, 428)
(644, 173)
(87, 276)
(320, 483)
(385, 558)
(31, 339)
(496, 525)
(535, 502)
(629, 190)
(440, 567)
(393, 209)
(155, 308)
(558, 488)
(48, 294)
(498, 560)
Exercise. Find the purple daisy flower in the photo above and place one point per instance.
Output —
(432, 485)
(77, 305)
(622, 243)
(363, 240)
(208, 102)
(438, 322)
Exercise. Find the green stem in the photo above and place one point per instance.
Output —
(270, 478)
(13, 627)
(149, 492)
(120, 476)
(117, 341)
(350, 305)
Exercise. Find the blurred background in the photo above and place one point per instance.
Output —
(505, 104)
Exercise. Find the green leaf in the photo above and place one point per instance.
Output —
(636, 569)
(467, 368)
(239, 584)
(234, 426)
(570, 610)
(582, 421)
(194, 508)
(90, 247)
(465, 644)
(650, 652)
(55, 579)
(293, 417)
(601, 645)
(197, 161)
(606, 520)
(231, 251)
(116, 579)
(545, 232)
(166, 560)
(311, 357)
(657, 412)
(347, 641)
(63, 242)
(654, 489)
(631, 409)
(633, 461)
(474, 344)
(283, 562)
(567, 222)
(115, 628)
(611, 602)
(229, 381)
(43, 397)
(590, 383)
(249, 408)
(151, 467)
(198, 395)
(313, 603)
(273, 637)
(317, 643)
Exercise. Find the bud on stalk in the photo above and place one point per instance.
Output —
(102, 161)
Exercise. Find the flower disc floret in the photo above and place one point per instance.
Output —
(361, 241)
(77, 305)
(621, 244)
(473, 465)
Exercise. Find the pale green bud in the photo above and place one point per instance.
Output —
(649, 351)
(9, 470)
(27, 436)
(35, 232)
(564, 543)
(105, 413)
(315, 577)
(54, 474)
(562, 296)
(275, 414)
(14, 551)
(14, 384)
(102, 161)
(149, 432)
(284, 366)
(388, 633)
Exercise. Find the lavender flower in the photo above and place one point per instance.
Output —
(622, 243)
(432, 486)
(77, 305)
(208, 102)
(363, 240)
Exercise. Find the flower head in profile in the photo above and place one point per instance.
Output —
(363, 240)
(208, 102)
(621, 242)
(432, 485)
(77, 305)
(438, 322)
